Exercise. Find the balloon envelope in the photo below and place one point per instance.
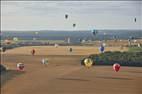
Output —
(74, 25)
(135, 19)
(33, 52)
(88, 62)
(36, 33)
(66, 16)
(15, 39)
(20, 66)
(45, 61)
(116, 67)
(94, 32)
(102, 48)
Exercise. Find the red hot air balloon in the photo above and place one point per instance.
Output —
(33, 52)
(116, 67)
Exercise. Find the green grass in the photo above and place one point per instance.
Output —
(123, 58)
(135, 49)
(50, 41)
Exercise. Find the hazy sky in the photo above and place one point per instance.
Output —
(49, 15)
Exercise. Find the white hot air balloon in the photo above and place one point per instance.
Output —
(44, 61)
(20, 67)
(15, 39)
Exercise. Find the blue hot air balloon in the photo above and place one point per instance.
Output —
(102, 48)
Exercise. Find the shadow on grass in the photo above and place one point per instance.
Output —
(8, 75)
(116, 78)
(72, 79)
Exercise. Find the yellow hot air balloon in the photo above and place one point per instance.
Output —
(88, 62)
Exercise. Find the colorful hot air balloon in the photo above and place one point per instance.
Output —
(44, 61)
(20, 67)
(116, 67)
(88, 62)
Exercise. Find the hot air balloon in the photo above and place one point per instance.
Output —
(66, 16)
(33, 52)
(102, 48)
(135, 20)
(74, 25)
(70, 49)
(20, 67)
(36, 33)
(56, 45)
(116, 67)
(15, 39)
(44, 61)
(94, 32)
(88, 62)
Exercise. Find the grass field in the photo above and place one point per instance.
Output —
(135, 49)
(65, 75)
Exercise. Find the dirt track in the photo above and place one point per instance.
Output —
(65, 75)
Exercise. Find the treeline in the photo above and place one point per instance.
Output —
(123, 58)
(2, 68)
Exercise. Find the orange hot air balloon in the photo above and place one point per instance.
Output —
(116, 67)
